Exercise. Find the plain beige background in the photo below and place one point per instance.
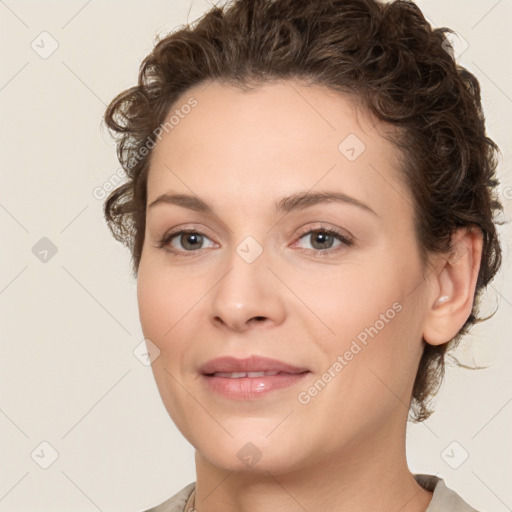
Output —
(75, 397)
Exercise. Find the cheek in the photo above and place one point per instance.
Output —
(166, 305)
(371, 317)
(349, 298)
(165, 298)
(153, 301)
(172, 311)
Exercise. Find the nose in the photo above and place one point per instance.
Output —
(247, 296)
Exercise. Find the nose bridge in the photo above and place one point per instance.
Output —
(246, 292)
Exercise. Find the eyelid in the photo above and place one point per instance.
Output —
(165, 241)
(320, 226)
(343, 236)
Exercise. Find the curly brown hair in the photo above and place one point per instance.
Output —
(385, 55)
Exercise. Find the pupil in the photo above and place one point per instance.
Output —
(322, 240)
(191, 240)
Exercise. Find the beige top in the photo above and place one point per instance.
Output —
(443, 499)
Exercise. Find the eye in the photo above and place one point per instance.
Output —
(186, 241)
(323, 240)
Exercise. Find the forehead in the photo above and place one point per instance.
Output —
(274, 140)
(276, 115)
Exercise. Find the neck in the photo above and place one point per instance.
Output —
(370, 474)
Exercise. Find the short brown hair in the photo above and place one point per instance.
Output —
(386, 55)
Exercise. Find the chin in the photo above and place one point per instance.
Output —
(250, 452)
(249, 458)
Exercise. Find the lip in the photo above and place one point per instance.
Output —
(248, 388)
(249, 364)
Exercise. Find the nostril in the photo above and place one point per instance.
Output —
(259, 318)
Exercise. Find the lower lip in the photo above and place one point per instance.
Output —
(247, 388)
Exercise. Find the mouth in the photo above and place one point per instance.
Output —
(239, 375)
(250, 378)
(250, 365)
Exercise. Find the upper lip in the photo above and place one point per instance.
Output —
(250, 364)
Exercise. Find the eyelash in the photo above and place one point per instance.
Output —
(342, 237)
(164, 242)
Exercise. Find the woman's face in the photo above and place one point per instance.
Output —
(299, 246)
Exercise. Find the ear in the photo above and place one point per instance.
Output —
(453, 286)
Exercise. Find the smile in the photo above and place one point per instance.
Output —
(238, 375)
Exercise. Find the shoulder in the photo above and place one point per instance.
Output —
(444, 499)
(175, 503)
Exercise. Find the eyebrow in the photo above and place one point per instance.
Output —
(302, 200)
(298, 201)
(184, 200)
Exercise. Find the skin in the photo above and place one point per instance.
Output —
(241, 152)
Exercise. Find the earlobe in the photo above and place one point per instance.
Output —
(454, 287)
